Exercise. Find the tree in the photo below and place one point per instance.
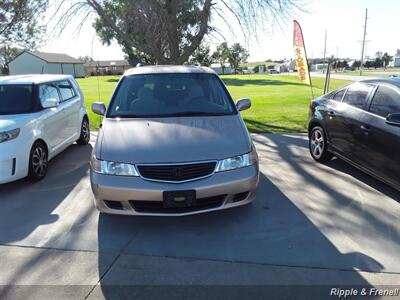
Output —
(386, 58)
(356, 64)
(368, 64)
(171, 30)
(378, 63)
(86, 58)
(237, 55)
(379, 54)
(18, 28)
(220, 55)
(7, 53)
(201, 56)
(19, 22)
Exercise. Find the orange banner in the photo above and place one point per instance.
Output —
(300, 54)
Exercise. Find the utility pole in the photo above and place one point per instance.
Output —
(363, 42)
(326, 35)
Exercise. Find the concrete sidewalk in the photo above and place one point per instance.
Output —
(311, 224)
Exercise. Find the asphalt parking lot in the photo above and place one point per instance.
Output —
(311, 224)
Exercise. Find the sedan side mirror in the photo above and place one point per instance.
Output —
(50, 103)
(393, 119)
(243, 104)
(99, 108)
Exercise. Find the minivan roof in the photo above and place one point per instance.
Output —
(168, 69)
(32, 78)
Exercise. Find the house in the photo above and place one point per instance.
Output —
(106, 67)
(45, 63)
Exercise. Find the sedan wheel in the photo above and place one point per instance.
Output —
(318, 146)
(38, 162)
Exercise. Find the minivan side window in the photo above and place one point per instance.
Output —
(339, 95)
(48, 91)
(386, 101)
(66, 90)
(357, 95)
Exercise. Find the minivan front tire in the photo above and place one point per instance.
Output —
(318, 145)
(38, 161)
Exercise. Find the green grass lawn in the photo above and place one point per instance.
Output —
(279, 103)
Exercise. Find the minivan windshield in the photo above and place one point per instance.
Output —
(170, 95)
(16, 99)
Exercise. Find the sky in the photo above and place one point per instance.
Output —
(343, 20)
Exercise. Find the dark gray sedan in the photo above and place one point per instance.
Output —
(172, 142)
(360, 123)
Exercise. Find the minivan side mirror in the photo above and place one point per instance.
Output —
(99, 108)
(393, 119)
(243, 104)
(50, 103)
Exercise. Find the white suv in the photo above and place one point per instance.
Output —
(40, 116)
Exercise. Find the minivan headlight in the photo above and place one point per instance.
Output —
(9, 135)
(113, 168)
(237, 162)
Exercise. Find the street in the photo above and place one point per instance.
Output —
(311, 224)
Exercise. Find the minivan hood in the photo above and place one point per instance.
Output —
(9, 122)
(169, 140)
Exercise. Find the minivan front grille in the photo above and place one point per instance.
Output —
(176, 173)
(158, 206)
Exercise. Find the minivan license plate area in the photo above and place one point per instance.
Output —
(179, 198)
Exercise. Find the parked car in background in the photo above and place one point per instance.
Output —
(40, 116)
(172, 142)
(348, 69)
(274, 72)
(360, 123)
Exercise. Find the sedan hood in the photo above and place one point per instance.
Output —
(169, 140)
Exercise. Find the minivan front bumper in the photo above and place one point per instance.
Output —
(137, 196)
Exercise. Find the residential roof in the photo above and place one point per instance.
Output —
(32, 78)
(107, 63)
(168, 70)
(60, 58)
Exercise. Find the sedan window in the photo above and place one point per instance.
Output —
(386, 101)
(357, 95)
(339, 95)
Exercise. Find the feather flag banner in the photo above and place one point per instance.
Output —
(300, 54)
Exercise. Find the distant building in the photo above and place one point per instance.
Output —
(45, 63)
(319, 67)
(106, 67)
(218, 69)
(395, 63)
(287, 66)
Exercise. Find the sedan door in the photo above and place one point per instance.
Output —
(379, 144)
(343, 119)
